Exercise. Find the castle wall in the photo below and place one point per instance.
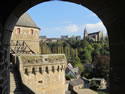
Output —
(44, 74)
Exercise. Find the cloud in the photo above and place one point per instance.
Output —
(72, 28)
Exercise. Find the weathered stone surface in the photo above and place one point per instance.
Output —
(43, 73)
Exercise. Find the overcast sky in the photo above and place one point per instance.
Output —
(56, 18)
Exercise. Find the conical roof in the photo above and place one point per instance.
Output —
(26, 21)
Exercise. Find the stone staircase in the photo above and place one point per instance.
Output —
(15, 82)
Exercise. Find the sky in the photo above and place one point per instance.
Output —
(56, 18)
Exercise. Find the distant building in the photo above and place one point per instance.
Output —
(77, 87)
(86, 82)
(74, 72)
(52, 39)
(89, 67)
(76, 84)
(101, 81)
(43, 38)
(64, 37)
(78, 37)
(96, 36)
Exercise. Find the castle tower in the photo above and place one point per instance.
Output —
(85, 33)
(25, 36)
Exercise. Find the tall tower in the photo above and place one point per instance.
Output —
(85, 33)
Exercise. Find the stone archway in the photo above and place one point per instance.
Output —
(111, 15)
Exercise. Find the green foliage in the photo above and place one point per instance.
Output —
(68, 77)
(94, 85)
(79, 52)
(87, 56)
(102, 66)
(80, 66)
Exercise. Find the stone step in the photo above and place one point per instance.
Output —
(15, 84)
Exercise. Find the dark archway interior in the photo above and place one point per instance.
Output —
(107, 10)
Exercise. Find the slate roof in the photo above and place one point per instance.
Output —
(76, 82)
(26, 21)
(74, 70)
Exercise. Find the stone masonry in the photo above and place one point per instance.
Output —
(43, 74)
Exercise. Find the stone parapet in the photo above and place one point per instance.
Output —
(43, 73)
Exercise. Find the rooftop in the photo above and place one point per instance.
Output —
(76, 82)
(94, 33)
(26, 21)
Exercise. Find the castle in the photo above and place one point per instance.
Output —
(96, 36)
(31, 72)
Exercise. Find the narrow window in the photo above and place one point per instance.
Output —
(31, 31)
(18, 30)
(40, 70)
(33, 70)
(58, 68)
(62, 68)
(53, 69)
(47, 70)
(26, 71)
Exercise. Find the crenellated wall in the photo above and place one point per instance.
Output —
(43, 74)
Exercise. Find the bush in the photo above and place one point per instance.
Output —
(68, 77)
(94, 85)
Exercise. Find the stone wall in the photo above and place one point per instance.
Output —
(43, 74)
(4, 61)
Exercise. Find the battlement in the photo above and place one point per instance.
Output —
(43, 59)
(41, 73)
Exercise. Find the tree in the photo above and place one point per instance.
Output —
(80, 66)
(102, 66)
(76, 52)
(45, 49)
(86, 56)
(67, 50)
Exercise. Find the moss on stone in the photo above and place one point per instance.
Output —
(31, 59)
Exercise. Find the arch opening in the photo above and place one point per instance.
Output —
(8, 28)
